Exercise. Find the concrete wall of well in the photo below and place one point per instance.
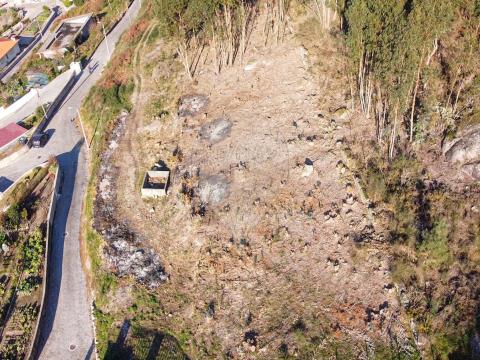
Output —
(33, 349)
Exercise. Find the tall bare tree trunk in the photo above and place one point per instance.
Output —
(182, 51)
(434, 50)
(352, 90)
(414, 99)
(216, 59)
(243, 30)
(325, 14)
(394, 133)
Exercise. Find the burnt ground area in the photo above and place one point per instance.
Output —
(123, 253)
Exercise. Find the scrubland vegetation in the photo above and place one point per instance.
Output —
(414, 74)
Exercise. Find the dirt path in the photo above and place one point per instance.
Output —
(128, 178)
(262, 227)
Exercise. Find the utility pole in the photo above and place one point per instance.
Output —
(83, 129)
(100, 119)
(106, 40)
(39, 29)
(41, 103)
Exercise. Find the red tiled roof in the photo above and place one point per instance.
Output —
(6, 45)
(10, 133)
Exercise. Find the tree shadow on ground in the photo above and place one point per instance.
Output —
(145, 344)
(68, 163)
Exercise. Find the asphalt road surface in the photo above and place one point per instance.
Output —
(66, 332)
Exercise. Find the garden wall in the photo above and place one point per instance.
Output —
(33, 350)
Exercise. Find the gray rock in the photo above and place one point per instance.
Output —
(216, 130)
(307, 168)
(191, 105)
(350, 199)
(466, 149)
(472, 169)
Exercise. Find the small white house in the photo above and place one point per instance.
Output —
(9, 49)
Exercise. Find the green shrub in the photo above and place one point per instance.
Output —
(33, 252)
(434, 248)
(13, 217)
(3, 238)
(30, 283)
(403, 271)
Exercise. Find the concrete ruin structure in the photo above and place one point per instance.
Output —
(155, 183)
(70, 32)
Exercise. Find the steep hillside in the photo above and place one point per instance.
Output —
(314, 210)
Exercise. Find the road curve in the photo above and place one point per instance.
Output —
(66, 331)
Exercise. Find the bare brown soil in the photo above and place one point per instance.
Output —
(258, 247)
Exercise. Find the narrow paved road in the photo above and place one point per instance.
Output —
(66, 331)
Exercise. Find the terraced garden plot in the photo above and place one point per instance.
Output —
(23, 229)
(37, 24)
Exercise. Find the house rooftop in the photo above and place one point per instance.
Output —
(6, 45)
(10, 133)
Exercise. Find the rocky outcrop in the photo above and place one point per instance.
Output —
(466, 148)
(191, 105)
(472, 170)
(465, 151)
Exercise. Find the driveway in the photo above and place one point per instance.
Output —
(66, 330)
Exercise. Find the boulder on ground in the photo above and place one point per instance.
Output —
(307, 168)
(472, 169)
(191, 105)
(466, 149)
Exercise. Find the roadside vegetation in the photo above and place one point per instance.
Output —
(105, 102)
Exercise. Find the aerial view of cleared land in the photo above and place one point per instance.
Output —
(245, 179)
